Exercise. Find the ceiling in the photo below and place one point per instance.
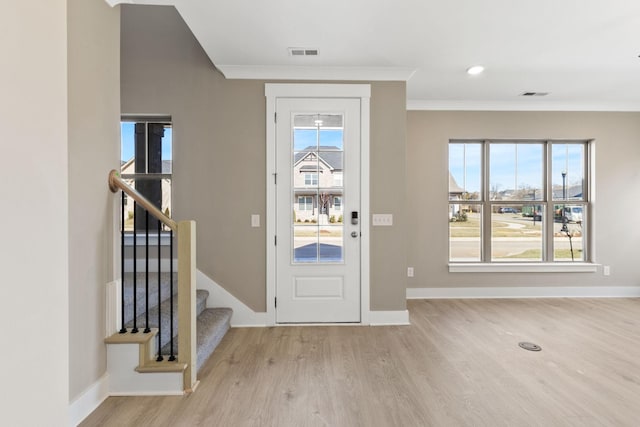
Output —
(583, 53)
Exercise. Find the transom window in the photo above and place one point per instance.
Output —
(518, 201)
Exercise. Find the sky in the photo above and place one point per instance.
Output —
(303, 138)
(515, 166)
(127, 146)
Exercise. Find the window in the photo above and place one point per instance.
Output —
(337, 179)
(518, 201)
(337, 203)
(305, 203)
(146, 164)
(310, 179)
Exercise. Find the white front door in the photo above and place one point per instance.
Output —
(318, 210)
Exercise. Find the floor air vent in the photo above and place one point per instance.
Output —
(530, 346)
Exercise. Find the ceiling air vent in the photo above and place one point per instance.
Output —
(302, 51)
(534, 94)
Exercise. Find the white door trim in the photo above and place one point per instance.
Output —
(273, 91)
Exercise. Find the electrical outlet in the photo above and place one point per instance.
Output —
(409, 271)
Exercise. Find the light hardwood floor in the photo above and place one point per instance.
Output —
(458, 364)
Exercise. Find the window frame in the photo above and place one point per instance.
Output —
(485, 205)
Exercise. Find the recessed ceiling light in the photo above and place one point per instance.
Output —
(475, 70)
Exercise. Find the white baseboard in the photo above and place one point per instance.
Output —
(88, 401)
(243, 316)
(384, 318)
(526, 292)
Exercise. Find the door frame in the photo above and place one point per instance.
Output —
(273, 91)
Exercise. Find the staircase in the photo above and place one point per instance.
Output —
(211, 323)
(165, 332)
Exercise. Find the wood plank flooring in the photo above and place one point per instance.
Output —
(458, 364)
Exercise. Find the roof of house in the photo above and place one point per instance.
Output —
(128, 166)
(330, 155)
(454, 188)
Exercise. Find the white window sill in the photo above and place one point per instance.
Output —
(555, 267)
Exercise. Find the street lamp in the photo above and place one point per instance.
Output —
(564, 185)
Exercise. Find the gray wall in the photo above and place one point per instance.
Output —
(220, 158)
(617, 142)
(34, 255)
(94, 135)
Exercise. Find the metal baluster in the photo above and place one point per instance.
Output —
(159, 358)
(123, 329)
(146, 279)
(172, 357)
(135, 272)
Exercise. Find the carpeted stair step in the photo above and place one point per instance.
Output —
(211, 326)
(140, 291)
(201, 303)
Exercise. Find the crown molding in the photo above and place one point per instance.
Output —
(283, 72)
(470, 105)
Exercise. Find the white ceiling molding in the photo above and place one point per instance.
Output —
(284, 72)
(421, 105)
(114, 3)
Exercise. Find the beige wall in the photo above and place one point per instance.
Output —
(94, 135)
(34, 254)
(220, 160)
(617, 142)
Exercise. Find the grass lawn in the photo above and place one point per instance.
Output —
(307, 231)
(564, 254)
(471, 228)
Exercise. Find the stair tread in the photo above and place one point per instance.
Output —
(201, 302)
(212, 325)
(165, 288)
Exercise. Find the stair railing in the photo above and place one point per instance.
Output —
(185, 232)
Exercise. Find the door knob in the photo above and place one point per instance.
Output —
(354, 234)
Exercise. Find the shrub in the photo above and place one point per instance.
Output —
(340, 218)
(459, 217)
(332, 219)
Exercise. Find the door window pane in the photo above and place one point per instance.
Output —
(318, 153)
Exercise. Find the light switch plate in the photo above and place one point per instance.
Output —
(384, 220)
(255, 220)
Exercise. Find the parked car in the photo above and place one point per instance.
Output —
(507, 210)
(572, 213)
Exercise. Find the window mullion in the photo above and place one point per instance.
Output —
(485, 231)
(548, 203)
